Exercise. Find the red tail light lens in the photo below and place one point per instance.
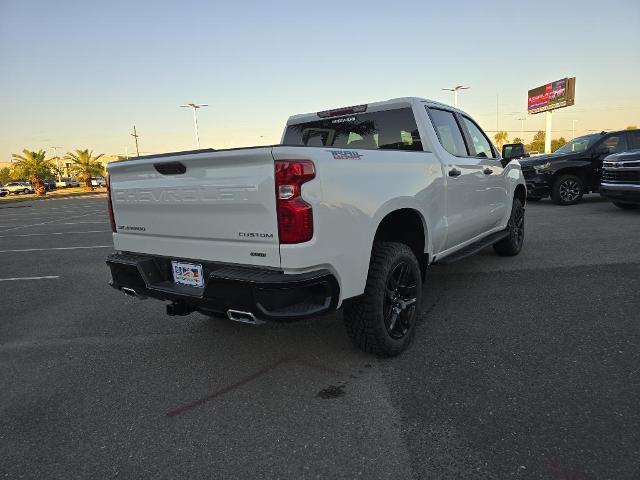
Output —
(112, 219)
(295, 216)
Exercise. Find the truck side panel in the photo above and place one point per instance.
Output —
(350, 198)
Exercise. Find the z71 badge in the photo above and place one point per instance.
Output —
(345, 154)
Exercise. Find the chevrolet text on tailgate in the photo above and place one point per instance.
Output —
(348, 211)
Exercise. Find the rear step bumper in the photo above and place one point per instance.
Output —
(259, 293)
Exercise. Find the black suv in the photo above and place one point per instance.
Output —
(621, 179)
(575, 168)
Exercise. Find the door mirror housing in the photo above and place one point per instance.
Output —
(513, 151)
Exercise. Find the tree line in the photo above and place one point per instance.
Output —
(36, 167)
(537, 143)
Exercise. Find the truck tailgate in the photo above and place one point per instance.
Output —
(217, 206)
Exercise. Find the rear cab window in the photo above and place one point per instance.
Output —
(394, 129)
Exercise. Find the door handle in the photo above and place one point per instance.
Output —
(454, 172)
(487, 171)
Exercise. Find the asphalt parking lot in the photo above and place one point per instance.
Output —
(524, 367)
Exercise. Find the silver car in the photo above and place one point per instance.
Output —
(19, 187)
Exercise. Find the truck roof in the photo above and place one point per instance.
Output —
(373, 107)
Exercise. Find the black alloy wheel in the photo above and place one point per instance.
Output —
(512, 244)
(400, 300)
(567, 190)
(383, 320)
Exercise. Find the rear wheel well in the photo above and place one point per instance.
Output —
(405, 226)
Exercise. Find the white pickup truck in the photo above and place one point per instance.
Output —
(348, 211)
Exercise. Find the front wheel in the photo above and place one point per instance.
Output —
(25, 191)
(626, 206)
(512, 244)
(383, 320)
(567, 190)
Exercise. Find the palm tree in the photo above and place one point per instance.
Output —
(35, 167)
(85, 166)
(501, 138)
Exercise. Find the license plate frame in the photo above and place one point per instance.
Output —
(187, 273)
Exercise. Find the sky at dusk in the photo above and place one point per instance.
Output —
(79, 74)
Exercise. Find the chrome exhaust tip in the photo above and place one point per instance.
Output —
(130, 292)
(243, 317)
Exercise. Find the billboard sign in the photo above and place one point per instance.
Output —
(558, 94)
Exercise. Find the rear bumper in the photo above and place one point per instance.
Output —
(628, 193)
(266, 294)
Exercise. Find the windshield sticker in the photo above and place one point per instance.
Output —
(345, 154)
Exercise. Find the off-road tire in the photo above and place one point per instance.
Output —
(626, 206)
(511, 245)
(567, 190)
(365, 318)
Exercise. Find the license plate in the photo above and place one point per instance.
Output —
(187, 274)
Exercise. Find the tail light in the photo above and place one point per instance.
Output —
(112, 219)
(295, 216)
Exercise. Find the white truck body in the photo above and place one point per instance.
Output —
(224, 194)
(223, 207)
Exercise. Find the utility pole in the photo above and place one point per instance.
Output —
(135, 135)
(55, 155)
(522, 119)
(195, 107)
(455, 93)
(547, 134)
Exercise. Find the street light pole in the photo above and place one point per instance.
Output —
(195, 107)
(55, 155)
(455, 93)
(573, 129)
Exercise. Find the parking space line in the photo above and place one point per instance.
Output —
(54, 248)
(44, 223)
(53, 233)
(42, 213)
(29, 278)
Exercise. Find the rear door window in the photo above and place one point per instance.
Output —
(448, 131)
(479, 141)
(384, 130)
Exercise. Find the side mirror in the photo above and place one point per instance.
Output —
(512, 151)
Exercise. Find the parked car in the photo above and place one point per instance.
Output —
(575, 168)
(98, 182)
(621, 179)
(49, 184)
(3, 192)
(347, 212)
(67, 183)
(19, 187)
